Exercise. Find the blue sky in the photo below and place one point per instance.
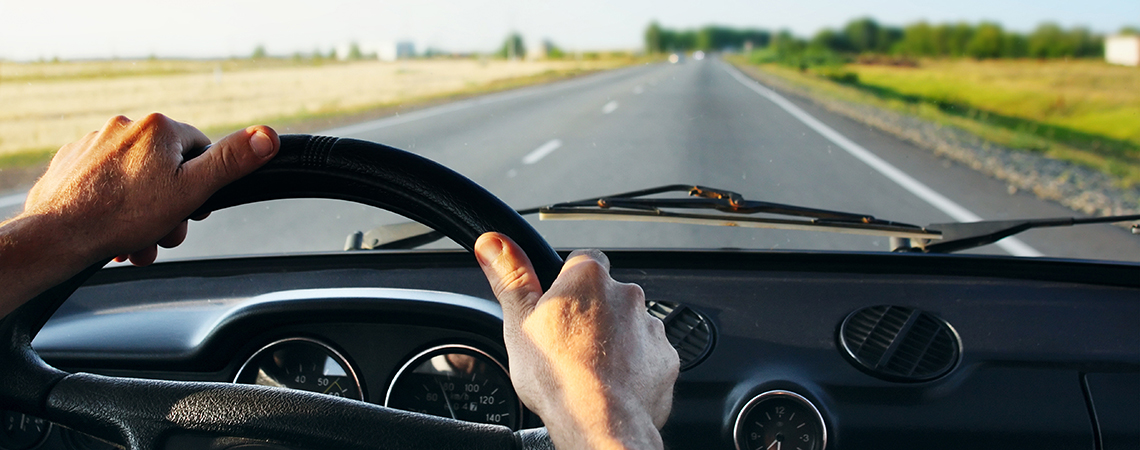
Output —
(219, 28)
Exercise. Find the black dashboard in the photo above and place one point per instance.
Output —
(1043, 353)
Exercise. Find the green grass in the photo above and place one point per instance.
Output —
(1085, 112)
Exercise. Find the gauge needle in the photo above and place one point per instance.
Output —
(445, 399)
(775, 443)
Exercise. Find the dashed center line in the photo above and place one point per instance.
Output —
(545, 149)
(610, 107)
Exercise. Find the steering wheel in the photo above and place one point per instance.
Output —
(153, 414)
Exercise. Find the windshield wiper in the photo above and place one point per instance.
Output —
(734, 210)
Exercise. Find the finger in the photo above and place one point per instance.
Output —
(232, 157)
(509, 271)
(122, 258)
(201, 217)
(588, 255)
(145, 256)
(175, 237)
(191, 138)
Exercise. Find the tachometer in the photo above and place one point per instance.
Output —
(304, 364)
(458, 382)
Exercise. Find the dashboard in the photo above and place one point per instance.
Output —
(806, 351)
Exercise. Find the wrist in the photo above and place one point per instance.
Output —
(593, 420)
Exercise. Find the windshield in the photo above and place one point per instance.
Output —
(914, 112)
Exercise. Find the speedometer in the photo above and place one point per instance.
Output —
(458, 382)
(304, 364)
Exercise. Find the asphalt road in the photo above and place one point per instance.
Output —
(699, 122)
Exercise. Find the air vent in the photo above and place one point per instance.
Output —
(689, 332)
(899, 344)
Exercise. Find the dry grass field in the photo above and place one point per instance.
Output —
(46, 105)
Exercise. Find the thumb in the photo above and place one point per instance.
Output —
(232, 157)
(510, 273)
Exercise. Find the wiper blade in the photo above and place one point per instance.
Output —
(634, 206)
(735, 210)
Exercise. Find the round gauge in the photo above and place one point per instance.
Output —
(23, 432)
(780, 420)
(303, 364)
(457, 382)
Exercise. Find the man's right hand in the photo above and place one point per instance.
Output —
(585, 355)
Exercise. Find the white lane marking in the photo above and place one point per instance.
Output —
(386, 122)
(13, 200)
(1011, 245)
(610, 107)
(545, 149)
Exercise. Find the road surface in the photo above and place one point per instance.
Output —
(700, 122)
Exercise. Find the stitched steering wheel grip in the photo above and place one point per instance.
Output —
(154, 414)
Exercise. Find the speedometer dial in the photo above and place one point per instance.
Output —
(457, 382)
(304, 364)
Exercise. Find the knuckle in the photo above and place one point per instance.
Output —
(116, 122)
(154, 120)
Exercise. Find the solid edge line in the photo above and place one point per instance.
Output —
(13, 200)
(525, 91)
(1012, 245)
(537, 154)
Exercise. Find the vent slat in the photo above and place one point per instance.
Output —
(688, 331)
(922, 350)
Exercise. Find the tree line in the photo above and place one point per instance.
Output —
(983, 40)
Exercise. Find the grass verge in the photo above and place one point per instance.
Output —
(1057, 136)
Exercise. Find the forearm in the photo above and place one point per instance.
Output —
(34, 256)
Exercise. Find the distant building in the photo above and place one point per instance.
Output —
(392, 51)
(1123, 50)
(384, 51)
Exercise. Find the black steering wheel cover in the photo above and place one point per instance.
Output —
(385, 177)
(146, 412)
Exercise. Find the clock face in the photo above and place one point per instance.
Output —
(780, 420)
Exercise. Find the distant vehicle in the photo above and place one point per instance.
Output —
(676, 58)
(698, 55)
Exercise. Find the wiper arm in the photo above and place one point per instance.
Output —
(963, 236)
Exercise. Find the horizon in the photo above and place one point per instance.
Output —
(140, 29)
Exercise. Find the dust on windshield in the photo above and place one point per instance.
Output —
(913, 114)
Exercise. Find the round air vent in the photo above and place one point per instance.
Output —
(899, 344)
(689, 332)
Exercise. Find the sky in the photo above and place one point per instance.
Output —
(35, 29)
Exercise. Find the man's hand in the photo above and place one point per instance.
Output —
(585, 355)
(118, 191)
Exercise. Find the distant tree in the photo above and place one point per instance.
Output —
(553, 51)
(986, 42)
(1084, 43)
(259, 52)
(831, 39)
(959, 37)
(1130, 30)
(1014, 45)
(1048, 41)
(354, 52)
(653, 38)
(513, 47)
(918, 40)
(862, 34)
